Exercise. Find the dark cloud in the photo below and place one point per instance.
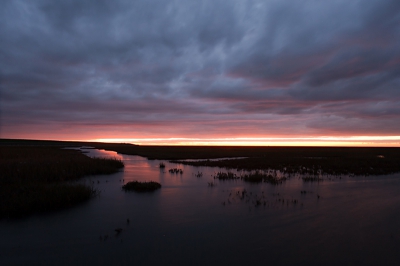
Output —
(206, 67)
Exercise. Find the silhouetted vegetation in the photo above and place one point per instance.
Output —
(141, 186)
(211, 184)
(175, 171)
(36, 179)
(310, 161)
(252, 177)
(258, 177)
(288, 160)
(199, 174)
(260, 199)
(18, 200)
(226, 176)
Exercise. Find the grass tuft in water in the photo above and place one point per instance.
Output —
(141, 186)
(258, 177)
(226, 176)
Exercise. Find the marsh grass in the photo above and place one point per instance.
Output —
(37, 198)
(258, 177)
(39, 179)
(311, 161)
(251, 177)
(175, 171)
(333, 161)
(141, 186)
(226, 176)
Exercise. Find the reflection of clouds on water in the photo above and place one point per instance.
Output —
(353, 219)
(101, 153)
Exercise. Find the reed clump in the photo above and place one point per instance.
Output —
(258, 177)
(37, 179)
(252, 177)
(141, 186)
(175, 171)
(226, 176)
(199, 174)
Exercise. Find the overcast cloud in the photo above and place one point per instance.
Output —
(127, 69)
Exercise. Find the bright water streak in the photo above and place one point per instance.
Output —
(186, 222)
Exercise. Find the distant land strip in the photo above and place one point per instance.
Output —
(357, 161)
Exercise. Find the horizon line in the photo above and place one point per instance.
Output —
(320, 141)
(371, 141)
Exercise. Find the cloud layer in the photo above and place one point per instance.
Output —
(202, 69)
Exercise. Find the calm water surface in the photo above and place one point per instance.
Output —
(354, 222)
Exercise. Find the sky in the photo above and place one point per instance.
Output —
(200, 72)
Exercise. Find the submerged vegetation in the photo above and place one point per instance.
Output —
(141, 186)
(199, 174)
(38, 179)
(333, 161)
(252, 177)
(258, 177)
(312, 161)
(226, 176)
(175, 171)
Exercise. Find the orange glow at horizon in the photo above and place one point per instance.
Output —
(365, 141)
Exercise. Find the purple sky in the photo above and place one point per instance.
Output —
(80, 70)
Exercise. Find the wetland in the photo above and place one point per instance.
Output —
(312, 217)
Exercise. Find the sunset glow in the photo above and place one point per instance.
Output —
(379, 141)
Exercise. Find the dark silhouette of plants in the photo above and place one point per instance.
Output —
(141, 186)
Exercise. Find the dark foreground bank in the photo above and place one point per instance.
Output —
(37, 179)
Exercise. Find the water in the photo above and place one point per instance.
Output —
(354, 222)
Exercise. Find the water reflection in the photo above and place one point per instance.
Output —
(101, 153)
(355, 221)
